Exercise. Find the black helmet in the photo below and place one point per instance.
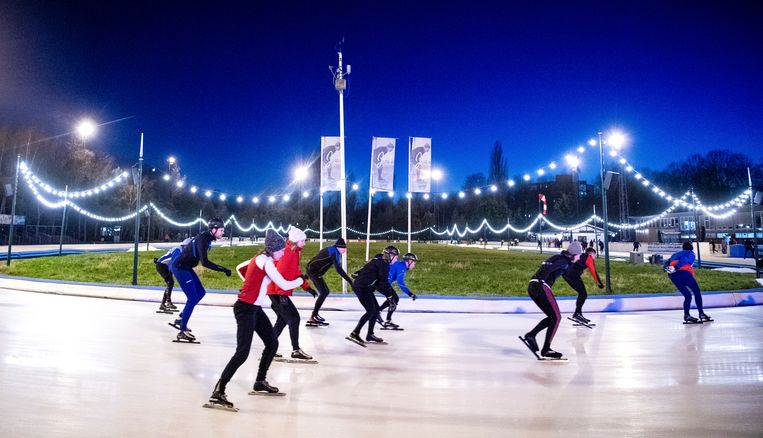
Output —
(215, 223)
(390, 252)
(410, 256)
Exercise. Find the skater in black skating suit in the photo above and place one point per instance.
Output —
(317, 268)
(539, 290)
(373, 276)
(573, 277)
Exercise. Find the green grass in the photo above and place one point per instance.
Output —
(443, 270)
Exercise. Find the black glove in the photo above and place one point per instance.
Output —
(413, 297)
(312, 292)
(305, 277)
(156, 260)
(601, 285)
(227, 272)
(354, 275)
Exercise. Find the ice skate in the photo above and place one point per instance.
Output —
(319, 318)
(186, 337)
(703, 317)
(262, 387)
(164, 309)
(688, 319)
(579, 320)
(298, 356)
(532, 347)
(375, 339)
(218, 400)
(171, 306)
(354, 337)
(550, 354)
(314, 322)
(389, 325)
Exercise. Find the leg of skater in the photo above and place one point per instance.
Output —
(245, 321)
(577, 284)
(280, 320)
(291, 316)
(265, 331)
(544, 299)
(323, 292)
(678, 279)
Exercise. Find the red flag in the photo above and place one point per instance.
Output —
(542, 198)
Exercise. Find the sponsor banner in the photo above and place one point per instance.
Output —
(331, 164)
(420, 165)
(5, 219)
(383, 163)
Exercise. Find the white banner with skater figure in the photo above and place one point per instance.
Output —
(420, 164)
(383, 163)
(331, 164)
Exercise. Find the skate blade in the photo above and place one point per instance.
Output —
(579, 323)
(551, 359)
(165, 311)
(220, 407)
(529, 348)
(377, 343)
(355, 342)
(185, 341)
(268, 394)
(392, 329)
(307, 324)
(175, 326)
(692, 323)
(285, 360)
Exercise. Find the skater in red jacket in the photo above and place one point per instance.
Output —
(288, 267)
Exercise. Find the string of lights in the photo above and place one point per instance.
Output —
(98, 189)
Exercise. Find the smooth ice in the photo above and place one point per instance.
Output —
(89, 367)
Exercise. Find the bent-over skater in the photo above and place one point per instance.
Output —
(573, 276)
(681, 273)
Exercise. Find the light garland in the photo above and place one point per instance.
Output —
(98, 189)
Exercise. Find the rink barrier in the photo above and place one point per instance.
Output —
(424, 303)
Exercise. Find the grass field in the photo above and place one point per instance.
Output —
(443, 270)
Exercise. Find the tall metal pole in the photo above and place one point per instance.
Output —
(595, 234)
(696, 227)
(13, 210)
(410, 195)
(368, 224)
(752, 219)
(148, 230)
(231, 232)
(63, 220)
(340, 85)
(608, 285)
(540, 226)
(137, 216)
(320, 222)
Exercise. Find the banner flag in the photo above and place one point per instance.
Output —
(383, 163)
(420, 165)
(331, 164)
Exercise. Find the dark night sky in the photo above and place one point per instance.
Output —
(239, 93)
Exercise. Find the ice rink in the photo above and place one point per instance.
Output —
(86, 367)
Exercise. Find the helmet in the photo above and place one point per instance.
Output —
(410, 256)
(215, 223)
(390, 252)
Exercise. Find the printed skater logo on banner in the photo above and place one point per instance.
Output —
(420, 165)
(383, 163)
(331, 164)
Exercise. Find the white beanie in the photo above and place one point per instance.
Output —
(575, 248)
(295, 235)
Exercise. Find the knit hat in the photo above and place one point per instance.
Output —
(295, 235)
(575, 248)
(340, 243)
(274, 242)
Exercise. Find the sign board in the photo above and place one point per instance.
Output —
(5, 219)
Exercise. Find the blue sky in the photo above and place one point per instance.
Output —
(240, 93)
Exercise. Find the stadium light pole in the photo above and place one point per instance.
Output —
(13, 210)
(752, 218)
(137, 216)
(340, 84)
(608, 285)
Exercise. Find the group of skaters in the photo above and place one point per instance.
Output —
(270, 278)
(570, 264)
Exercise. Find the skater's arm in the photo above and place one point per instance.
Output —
(400, 279)
(202, 246)
(278, 279)
(337, 259)
(592, 268)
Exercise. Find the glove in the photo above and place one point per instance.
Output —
(312, 292)
(670, 269)
(156, 260)
(413, 297)
(304, 277)
(354, 275)
(227, 272)
(601, 285)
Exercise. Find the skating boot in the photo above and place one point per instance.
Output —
(703, 317)
(379, 320)
(314, 322)
(220, 401)
(262, 387)
(186, 336)
(531, 342)
(170, 305)
(688, 319)
(579, 317)
(299, 354)
(551, 354)
(389, 325)
(354, 337)
(278, 356)
(373, 338)
(319, 318)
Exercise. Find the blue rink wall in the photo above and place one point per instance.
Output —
(425, 303)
